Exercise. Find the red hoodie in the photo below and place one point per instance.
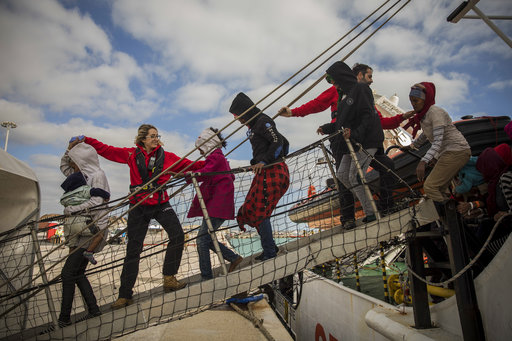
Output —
(329, 98)
(127, 155)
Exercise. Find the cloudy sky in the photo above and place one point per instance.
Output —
(102, 68)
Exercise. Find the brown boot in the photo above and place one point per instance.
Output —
(235, 263)
(121, 303)
(172, 284)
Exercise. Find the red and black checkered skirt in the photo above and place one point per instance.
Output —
(267, 187)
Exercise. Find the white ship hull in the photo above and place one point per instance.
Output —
(331, 311)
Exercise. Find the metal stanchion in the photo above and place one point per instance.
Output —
(469, 313)
(211, 231)
(331, 169)
(421, 311)
(384, 276)
(338, 272)
(361, 175)
(358, 284)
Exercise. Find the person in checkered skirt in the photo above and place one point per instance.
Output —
(271, 179)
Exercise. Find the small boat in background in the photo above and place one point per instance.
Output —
(322, 210)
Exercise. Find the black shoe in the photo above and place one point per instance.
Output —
(260, 257)
(51, 328)
(388, 209)
(89, 315)
(369, 218)
(63, 324)
(348, 224)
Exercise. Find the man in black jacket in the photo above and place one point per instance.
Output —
(360, 122)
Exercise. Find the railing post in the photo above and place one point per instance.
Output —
(419, 292)
(469, 314)
(356, 268)
(362, 176)
(211, 231)
(384, 275)
(333, 172)
(44, 278)
(338, 272)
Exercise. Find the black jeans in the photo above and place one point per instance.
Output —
(73, 273)
(386, 179)
(138, 222)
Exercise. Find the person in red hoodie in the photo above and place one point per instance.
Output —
(146, 161)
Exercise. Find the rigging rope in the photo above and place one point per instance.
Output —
(321, 64)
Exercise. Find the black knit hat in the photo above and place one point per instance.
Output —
(342, 75)
(240, 104)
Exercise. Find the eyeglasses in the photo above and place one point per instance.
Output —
(154, 136)
(329, 79)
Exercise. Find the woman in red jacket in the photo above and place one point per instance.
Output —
(146, 161)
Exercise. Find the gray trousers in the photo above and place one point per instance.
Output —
(348, 175)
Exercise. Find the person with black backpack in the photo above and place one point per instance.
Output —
(146, 161)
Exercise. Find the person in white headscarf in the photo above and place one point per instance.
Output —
(218, 193)
(87, 192)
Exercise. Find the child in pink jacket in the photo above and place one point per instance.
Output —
(218, 193)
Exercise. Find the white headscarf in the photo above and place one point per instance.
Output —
(211, 145)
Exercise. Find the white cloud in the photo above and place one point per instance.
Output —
(197, 98)
(225, 39)
(62, 60)
(450, 89)
(500, 85)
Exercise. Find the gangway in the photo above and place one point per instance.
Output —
(155, 305)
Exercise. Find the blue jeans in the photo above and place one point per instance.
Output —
(267, 240)
(205, 244)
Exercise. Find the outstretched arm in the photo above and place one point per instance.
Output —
(328, 98)
(111, 153)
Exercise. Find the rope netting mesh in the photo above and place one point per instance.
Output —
(305, 225)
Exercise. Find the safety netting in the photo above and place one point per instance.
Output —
(305, 226)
